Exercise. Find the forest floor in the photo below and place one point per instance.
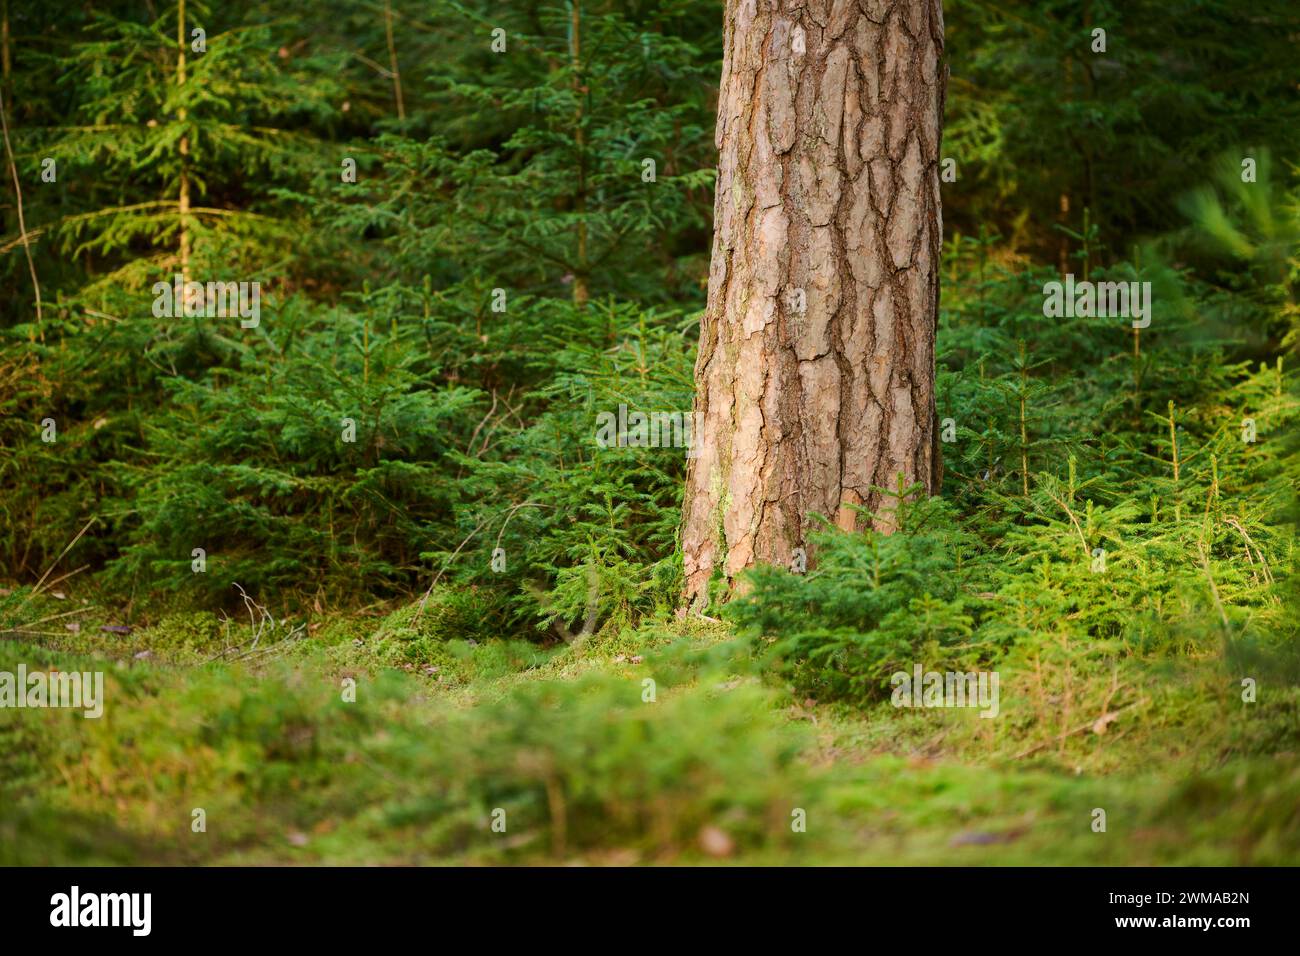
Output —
(225, 743)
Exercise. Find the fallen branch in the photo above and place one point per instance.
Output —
(1078, 730)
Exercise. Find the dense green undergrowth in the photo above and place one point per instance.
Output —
(392, 487)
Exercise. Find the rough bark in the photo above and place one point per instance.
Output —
(815, 375)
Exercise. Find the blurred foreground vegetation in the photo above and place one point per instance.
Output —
(586, 770)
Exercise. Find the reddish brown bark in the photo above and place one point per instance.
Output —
(815, 376)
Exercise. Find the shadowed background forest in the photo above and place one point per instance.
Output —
(1114, 535)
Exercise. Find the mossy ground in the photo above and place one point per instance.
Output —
(443, 732)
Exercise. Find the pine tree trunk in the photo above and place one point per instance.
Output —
(815, 376)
